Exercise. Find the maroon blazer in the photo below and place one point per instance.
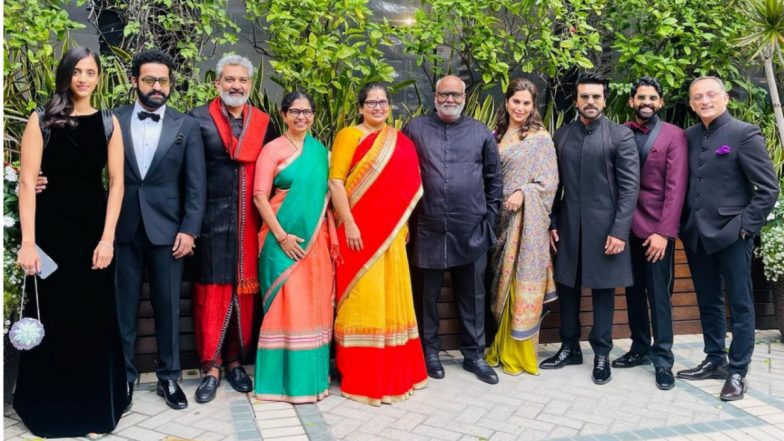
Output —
(663, 184)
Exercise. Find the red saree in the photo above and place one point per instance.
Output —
(379, 353)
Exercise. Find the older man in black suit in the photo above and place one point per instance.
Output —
(732, 189)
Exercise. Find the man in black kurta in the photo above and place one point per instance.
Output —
(732, 189)
(599, 181)
(227, 292)
(454, 222)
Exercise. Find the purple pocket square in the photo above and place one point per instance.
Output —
(723, 150)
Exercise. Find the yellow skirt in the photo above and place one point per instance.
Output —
(514, 356)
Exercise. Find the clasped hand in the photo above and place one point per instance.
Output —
(290, 246)
(514, 201)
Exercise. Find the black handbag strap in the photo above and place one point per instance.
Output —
(46, 132)
(24, 290)
(108, 124)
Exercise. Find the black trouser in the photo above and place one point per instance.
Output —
(468, 285)
(603, 307)
(652, 284)
(733, 265)
(165, 275)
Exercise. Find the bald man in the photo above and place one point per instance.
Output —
(452, 228)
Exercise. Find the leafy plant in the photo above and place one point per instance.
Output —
(765, 35)
(12, 274)
(488, 39)
(772, 241)
(329, 48)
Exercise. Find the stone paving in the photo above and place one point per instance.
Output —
(562, 404)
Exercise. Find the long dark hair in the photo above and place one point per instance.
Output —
(365, 90)
(58, 109)
(534, 120)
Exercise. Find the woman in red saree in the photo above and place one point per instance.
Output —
(375, 184)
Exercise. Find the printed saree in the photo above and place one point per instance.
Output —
(379, 354)
(292, 361)
(523, 271)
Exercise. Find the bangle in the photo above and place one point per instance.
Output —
(106, 244)
(285, 236)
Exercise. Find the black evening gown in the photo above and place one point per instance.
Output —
(73, 383)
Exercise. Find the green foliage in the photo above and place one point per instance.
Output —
(772, 242)
(488, 39)
(188, 30)
(30, 59)
(765, 32)
(674, 41)
(328, 48)
(12, 274)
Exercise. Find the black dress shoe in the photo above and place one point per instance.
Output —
(481, 369)
(734, 388)
(172, 394)
(564, 357)
(664, 378)
(239, 379)
(631, 359)
(131, 385)
(207, 388)
(601, 369)
(706, 369)
(434, 367)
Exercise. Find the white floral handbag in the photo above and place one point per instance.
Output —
(27, 332)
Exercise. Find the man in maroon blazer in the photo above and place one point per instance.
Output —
(663, 182)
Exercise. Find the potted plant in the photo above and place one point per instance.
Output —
(772, 253)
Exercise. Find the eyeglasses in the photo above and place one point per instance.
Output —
(446, 95)
(150, 81)
(380, 103)
(586, 97)
(710, 95)
(307, 113)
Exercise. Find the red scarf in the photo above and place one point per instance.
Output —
(245, 150)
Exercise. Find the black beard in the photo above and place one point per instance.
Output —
(644, 118)
(147, 100)
(598, 115)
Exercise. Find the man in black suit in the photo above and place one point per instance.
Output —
(592, 214)
(732, 189)
(161, 214)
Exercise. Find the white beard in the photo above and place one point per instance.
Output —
(233, 101)
(452, 112)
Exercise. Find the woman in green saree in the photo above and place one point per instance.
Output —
(296, 275)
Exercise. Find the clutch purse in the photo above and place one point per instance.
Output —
(27, 332)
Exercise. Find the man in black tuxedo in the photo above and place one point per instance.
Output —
(732, 189)
(161, 214)
(599, 172)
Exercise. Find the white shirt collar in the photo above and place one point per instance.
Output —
(137, 107)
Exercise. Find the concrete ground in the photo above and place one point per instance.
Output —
(562, 404)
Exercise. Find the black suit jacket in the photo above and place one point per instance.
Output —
(596, 202)
(171, 197)
(727, 192)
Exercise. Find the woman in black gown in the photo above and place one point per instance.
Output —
(73, 383)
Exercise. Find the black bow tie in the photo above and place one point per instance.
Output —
(144, 115)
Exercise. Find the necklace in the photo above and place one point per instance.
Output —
(294, 144)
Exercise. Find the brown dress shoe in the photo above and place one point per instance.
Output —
(705, 370)
(734, 388)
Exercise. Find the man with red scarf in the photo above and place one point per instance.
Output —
(224, 300)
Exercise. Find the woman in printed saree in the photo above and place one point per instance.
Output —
(296, 275)
(523, 271)
(374, 181)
